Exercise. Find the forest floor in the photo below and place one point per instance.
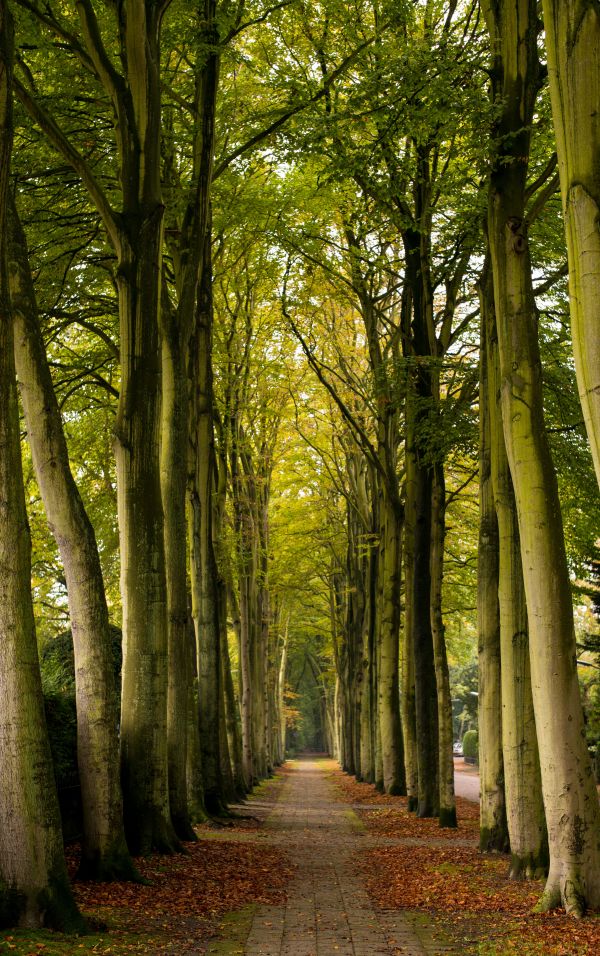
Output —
(320, 865)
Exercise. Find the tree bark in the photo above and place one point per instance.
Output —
(135, 232)
(34, 886)
(447, 803)
(281, 675)
(173, 463)
(419, 348)
(176, 329)
(569, 791)
(205, 607)
(493, 834)
(390, 550)
(522, 782)
(425, 682)
(104, 852)
(409, 718)
(573, 48)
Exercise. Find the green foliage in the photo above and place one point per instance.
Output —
(411, 106)
(61, 720)
(58, 681)
(57, 662)
(470, 744)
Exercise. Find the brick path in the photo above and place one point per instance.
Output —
(328, 912)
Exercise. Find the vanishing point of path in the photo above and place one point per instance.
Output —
(328, 912)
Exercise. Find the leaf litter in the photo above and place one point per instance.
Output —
(465, 893)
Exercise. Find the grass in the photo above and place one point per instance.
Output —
(233, 933)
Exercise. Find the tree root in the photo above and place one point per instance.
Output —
(569, 893)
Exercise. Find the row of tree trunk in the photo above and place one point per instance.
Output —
(538, 794)
(183, 749)
(538, 791)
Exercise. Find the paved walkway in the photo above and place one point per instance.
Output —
(328, 911)
(466, 781)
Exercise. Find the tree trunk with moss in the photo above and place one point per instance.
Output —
(232, 714)
(418, 503)
(204, 574)
(281, 675)
(173, 460)
(135, 231)
(34, 886)
(104, 852)
(447, 802)
(193, 774)
(573, 48)
(568, 786)
(368, 715)
(418, 349)
(493, 833)
(522, 782)
(391, 515)
(409, 725)
(177, 323)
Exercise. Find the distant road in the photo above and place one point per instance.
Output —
(466, 780)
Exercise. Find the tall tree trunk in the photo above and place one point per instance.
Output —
(390, 550)
(569, 791)
(137, 235)
(246, 684)
(425, 683)
(174, 438)
(522, 781)
(409, 718)
(493, 827)
(243, 531)
(205, 605)
(176, 330)
(447, 803)
(234, 728)
(104, 851)
(232, 714)
(34, 886)
(265, 605)
(419, 347)
(573, 48)
(281, 693)
(228, 783)
(367, 711)
(144, 772)
(195, 786)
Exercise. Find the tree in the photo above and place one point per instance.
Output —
(136, 233)
(570, 799)
(573, 48)
(34, 887)
(104, 851)
(493, 833)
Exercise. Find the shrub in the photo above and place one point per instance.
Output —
(470, 744)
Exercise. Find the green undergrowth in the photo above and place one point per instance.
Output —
(114, 939)
(27, 942)
(267, 789)
(478, 934)
(354, 820)
(233, 933)
(517, 945)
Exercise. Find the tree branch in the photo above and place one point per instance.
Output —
(66, 149)
(292, 111)
(111, 79)
(363, 438)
